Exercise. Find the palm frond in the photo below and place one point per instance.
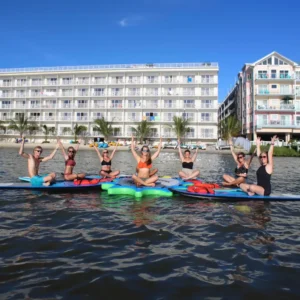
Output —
(104, 127)
(230, 127)
(142, 130)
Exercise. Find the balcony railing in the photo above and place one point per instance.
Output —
(8, 95)
(67, 82)
(6, 106)
(66, 118)
(189, 105)
(82, 106)
(49, 106)
(23, 95)
(281, 107)
(36, 83)
(52, 82)
(99, 94)
(116, 105)
(82, 82)
(134, 94)
(151, 94)
(274, 92)
(206, 106)
(5, 118)
(275, 123)
(134, 81)
(82, 94)
(20, 106)
(35, 118)
(99, 106)
(67, 94)
(116, 94)
(118, 81)
(169, 105)
(99, 81)
(66, 106)
(6, 84)
(134, 105)
(21, 83)
(49, 118)
(82, 118)
(34, 106)
(151, 81)
(206, 120)
(274, 76)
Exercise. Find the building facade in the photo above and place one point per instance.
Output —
(267, 98)
(60, 97)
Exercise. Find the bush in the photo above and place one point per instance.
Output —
(45, 142)
(278, 151)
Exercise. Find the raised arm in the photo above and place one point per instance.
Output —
(21, 151)
(61, 146)
(258, 147)
(155, 155)
(179, 150)
(51, 155)
(251, 158)
(270, 155)
(132, 147)
(98, 153)
(77, 146)
(195, 155)
(114, 151)
(232, 150)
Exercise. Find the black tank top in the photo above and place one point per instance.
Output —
(242, 169)
(264, 179)
(187, 165)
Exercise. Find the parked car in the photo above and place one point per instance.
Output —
(201, 146)
(171, 145)
(222, 147)
(184, 146)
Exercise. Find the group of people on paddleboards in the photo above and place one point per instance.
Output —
(146, 175)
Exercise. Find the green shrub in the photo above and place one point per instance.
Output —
(278, 151)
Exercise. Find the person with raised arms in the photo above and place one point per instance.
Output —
(264, 172)
(34, 161)
(241, 170)
(145, 176)
(105, 160)
(70, 162)
(187, 171)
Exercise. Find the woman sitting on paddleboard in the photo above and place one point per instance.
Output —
(105, 161)
(264, 172)
(145, 176)
(70, 163)
(187, 171)
(241, 170)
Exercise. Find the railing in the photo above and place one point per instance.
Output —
(99, 82)
(132, 105)
(189, 106)
(81, 106)
(205, 120)
(274, 76)
(82, 82)
(275, 123)
(34, 106)
(36, 83)
(169, 105)
(5, 118)
(66, 106)
(116, 93)
(20, 106)
(206, 106)
(151, 81)
(36, 94)
(132, 81)
(6, 106)
(134, 94)
(119, 81)
(49, 106)
(6, 84)
(116, 105)
(151, 105)
(274, 92)
(67, 82)
(151, 94)
(99, 94)
(281, 107)
(49, 119)
(66, 118)
(67, 94)
(6, 95)
(82, 94)
(21, 95)
(52, 82)
(169, 135)
(33, 118)
(83, 118)
(99, 106)
(21, 83)
(120, 66)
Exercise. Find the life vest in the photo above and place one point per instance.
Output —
(200, 190)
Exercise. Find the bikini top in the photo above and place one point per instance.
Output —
(143, 165)
(70, 162)
(106, 163)
(187, 165)
(240, 170)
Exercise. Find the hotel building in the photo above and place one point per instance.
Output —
(266, 99)
(60, 97)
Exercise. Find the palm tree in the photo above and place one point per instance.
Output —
(103, 127)
(230, 127)
(2, 126)
(48, 130)
(78, 130)
(22, 124)
(180, 126)
(142, 130)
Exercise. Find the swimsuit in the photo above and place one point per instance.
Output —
(106, 163)
(143, 165)
(187, 165)
(240, 170)
(37, 180)
(264, 180)
(70, 162)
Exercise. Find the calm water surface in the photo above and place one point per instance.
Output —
(95, 246)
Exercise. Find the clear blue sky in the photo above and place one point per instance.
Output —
(62, 32)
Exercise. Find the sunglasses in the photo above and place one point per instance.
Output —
(71, 151)
(240, 157)
(262, 156)
(105, 152)
(145, 150)
(38, 151)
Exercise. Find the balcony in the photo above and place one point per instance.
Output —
(67, 82)
(34, 106)
(82, 94)
(151, 81)
(190, 135)
(167, 119)
(134, 81)
(282, 92)
(152, 94)
(134, 105)
(21, 106)
(35, 118)
(52, 83)
(20, 83)
(99, 94)
(102, 106)
(206, 120)
(48, 94)
(6, 84)
(268, 76)
(67, 94)
(100, 81)
(115, 119)
(6, 106)
(189, 105)
(81, 118)
(5, 118)
(6, 95)
(82, 106)
(49, 118)
(116, 94)
(49, 106)
(169, 135)
(116, 106)
(151, 105)
(290, 107)
(207, 106)
(64, 106)
(207, 81)
(171, 81)
(35, 94)
(66, 118)
(21, 95)
(117, 81)
(36, 83)
(274, 123)
(134, 94)
(170, 105)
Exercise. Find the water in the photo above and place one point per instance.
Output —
(95, 246)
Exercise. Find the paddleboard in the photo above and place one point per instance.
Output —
(27, 179)
(233, 195)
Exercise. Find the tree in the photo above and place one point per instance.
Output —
(142, 130)
(104, 127)
(230, 127)
(48, 130)
(180, 126)
(2, 126)
(78, 130)
(22, 124)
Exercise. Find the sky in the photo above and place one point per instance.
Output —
(231, 33)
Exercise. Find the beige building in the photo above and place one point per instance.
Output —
(60, 97)
(267, 98)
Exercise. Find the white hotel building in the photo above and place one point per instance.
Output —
(60, 97)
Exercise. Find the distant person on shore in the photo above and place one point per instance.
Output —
(187, 171)
(70, 163)
(34, 161)
(105, 160)
(145, 176)
(241, 170)
(264, 172)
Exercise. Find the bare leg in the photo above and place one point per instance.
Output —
(182, 175)
(153, 171)
(252, 189)
(70, 177)
(113, 174)
(142, 182)
(228, 178)
(49, 179)
(151, 180)
(193, 175)
(235, 182)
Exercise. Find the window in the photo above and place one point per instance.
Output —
(188, 116)
(99, 104)
(189, 103)
(284, 74)
(169, 104)
(262, 74)
(67, 80)
(116, 103)
(206, 132)
(132, 116)
(99, 92)
(168, 117)
(273, 73)
(169, 78)
(205, 117)
(298, 75)
(249, 76)
(206, 104)
(206, 78)
(151, 116)
(273, 86)
(98, 115)
(81, 116)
